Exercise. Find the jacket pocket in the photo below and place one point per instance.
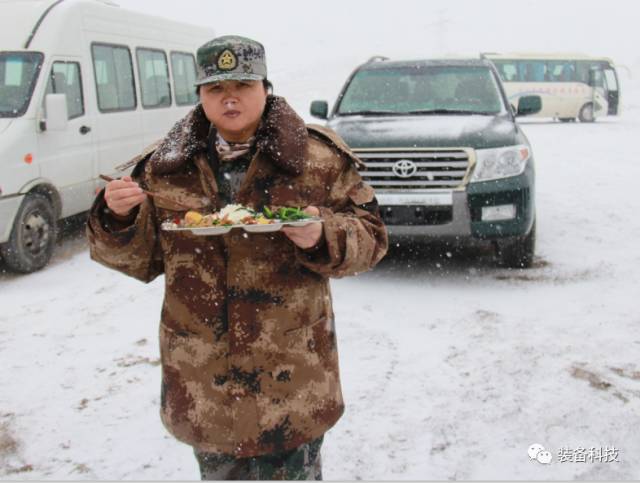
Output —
(315, 311)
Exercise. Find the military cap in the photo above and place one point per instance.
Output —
(231, 57)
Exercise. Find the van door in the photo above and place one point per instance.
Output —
(67, 157)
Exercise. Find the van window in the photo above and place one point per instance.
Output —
(183, 66)
(65, 78)
(153, 73)
(18, 74)
(114, 77)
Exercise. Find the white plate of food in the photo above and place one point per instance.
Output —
(238, 216)
(203, 230)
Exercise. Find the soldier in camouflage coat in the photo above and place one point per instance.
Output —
(247, 335)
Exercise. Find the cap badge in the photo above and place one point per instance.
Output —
(227, 60)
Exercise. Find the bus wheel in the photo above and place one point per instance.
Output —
(566, 119)
(33, 236)
(518, 252)
(586, 113)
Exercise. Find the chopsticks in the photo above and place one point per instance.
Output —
(152, 194)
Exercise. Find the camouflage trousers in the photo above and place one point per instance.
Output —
(301, 463)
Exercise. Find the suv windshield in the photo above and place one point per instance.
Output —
(421, 89)
(18, 73)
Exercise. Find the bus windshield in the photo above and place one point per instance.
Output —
(18, 73)
(418, 89)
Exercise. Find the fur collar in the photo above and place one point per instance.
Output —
(281, 138)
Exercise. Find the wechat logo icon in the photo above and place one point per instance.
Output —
(538, 453)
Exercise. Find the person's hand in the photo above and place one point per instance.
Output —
(123, 195)
(308, 235)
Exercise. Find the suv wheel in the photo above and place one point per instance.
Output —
(33, 236)
(586, 113)
(518, 252)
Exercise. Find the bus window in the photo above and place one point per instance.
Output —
(597, 78)
(532, 70)
(561, 71)
(612, 82)
(153, 72)
(584, 68)
(507, 69)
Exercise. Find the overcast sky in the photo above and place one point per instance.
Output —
(319, 43)
(428, 26)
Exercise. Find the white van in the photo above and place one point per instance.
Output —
(84, 86)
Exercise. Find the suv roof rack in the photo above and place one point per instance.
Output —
(376, 58)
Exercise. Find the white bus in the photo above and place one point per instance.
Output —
(571, 86)
(84, 86)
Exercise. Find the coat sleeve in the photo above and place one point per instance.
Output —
(355, 238)
(129, 246)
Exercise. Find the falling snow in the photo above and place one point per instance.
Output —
(451, 366)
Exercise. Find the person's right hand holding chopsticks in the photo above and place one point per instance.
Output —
(123, 195)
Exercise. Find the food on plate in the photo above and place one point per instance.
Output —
(285, 213)
(236, 214)
(192, 218)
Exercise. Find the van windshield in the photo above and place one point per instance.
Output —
(419, 89)
(18, 74)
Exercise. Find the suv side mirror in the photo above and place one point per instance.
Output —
(319, 109)
(56, 109)
(529, 105)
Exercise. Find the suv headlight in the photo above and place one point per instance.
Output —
(500, 162)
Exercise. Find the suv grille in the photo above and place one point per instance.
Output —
(411, 170)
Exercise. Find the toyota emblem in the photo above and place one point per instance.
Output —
(405, 168)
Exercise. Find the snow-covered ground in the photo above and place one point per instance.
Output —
(451, 367)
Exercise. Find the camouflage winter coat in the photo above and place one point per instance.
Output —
(247, 336)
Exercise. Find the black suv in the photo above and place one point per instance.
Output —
(443, 151)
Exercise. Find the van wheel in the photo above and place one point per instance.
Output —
(33, 236)
(518, 252)
(586, 113)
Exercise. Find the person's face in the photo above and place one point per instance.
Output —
(234, 107)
